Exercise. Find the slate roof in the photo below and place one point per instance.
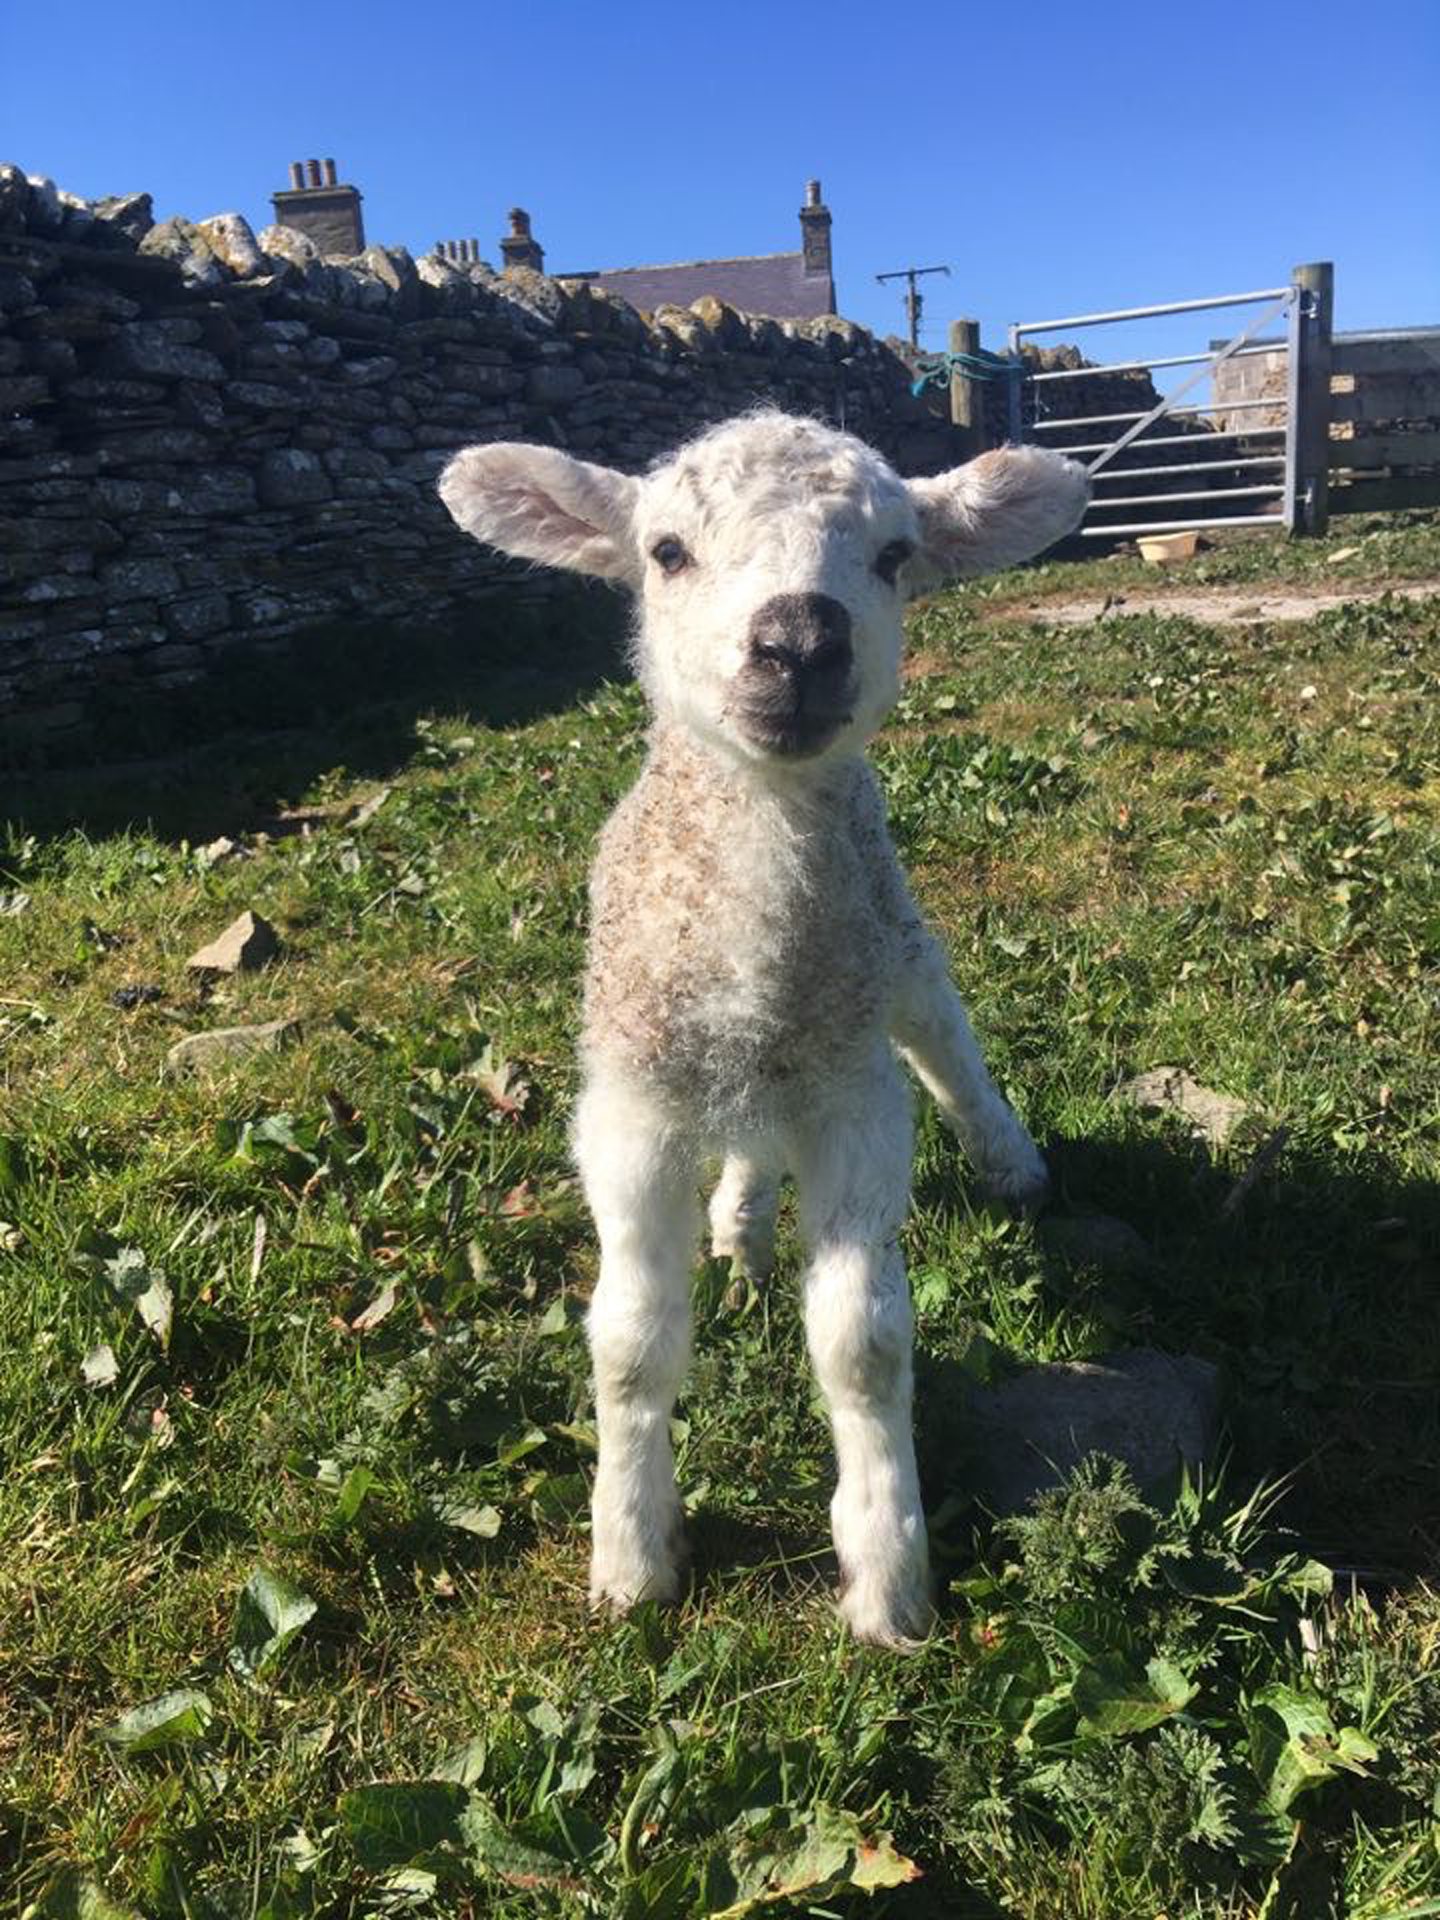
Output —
(770, 283)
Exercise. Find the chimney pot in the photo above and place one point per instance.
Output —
(329, 173)
(297, 174)
(314, 170)
(520, 223)
(812, 193)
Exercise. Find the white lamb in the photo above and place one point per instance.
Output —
(755, 956)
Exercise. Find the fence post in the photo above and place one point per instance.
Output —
(1310, 387)
(967, 401)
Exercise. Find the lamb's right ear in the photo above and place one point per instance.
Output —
(543, 505)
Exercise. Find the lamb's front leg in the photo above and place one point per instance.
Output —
(933, 1032)
(852, 1167)
(640, 1183)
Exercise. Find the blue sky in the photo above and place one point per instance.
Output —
(1058, 158)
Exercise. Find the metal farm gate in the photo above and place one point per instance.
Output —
(1254, 458)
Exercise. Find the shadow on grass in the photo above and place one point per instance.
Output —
(220, 757)
(1316, 1295)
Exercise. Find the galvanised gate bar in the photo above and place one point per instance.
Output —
(1269, 471)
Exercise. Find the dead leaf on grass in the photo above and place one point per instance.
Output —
(520, 1203)
(380, 1308)
(504, 1081)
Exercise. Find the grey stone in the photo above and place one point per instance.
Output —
(369, 373)
(23, 390)
(554, 386)
(232, 241)
(14, 198)
(198, 617)
(247, 943)
(139, 579)
(290, 477)
(1096, 1240)
(263, 396)
(290, 245)
(226, 1046)
(17, 291)
(160, 446)
(77, 219)
(130, 214)
(223, 491)
(56, 359)
(46, 212)
(392, 266)
(182, 242)
(1213, 1115)
(149, 348)
(1150, 1409)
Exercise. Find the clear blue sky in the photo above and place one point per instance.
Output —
(1057, 157)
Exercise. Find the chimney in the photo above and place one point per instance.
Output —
(815, 232)
(322, 208)
(519, 247)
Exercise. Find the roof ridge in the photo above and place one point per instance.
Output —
(669, 266)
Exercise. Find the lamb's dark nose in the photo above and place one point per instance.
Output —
(803, 634)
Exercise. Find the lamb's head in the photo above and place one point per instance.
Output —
(771, 558)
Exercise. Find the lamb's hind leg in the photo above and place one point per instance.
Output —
(640, 1182)
(852, 1169)
(933, 1032)
(742, 1212)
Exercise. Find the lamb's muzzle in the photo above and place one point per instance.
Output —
(757, 967)
(793, 693)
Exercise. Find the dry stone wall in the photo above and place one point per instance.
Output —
(211, 441)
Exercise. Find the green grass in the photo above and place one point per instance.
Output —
(1145, 842)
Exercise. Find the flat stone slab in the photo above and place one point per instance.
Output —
(1096, 1240)
(224, 1046)
(1147, 1408)
(246, 943)
(1213, 1115)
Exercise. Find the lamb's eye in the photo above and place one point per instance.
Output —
(670, 556)
(890, 560)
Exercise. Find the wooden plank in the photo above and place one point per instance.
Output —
(1385, 496)
(1414, 353)
(1418, 449)
(1382, 397)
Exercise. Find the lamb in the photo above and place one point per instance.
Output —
(756, 960)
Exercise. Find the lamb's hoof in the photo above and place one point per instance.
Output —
(886, 1612)
(620, 1581)
(751, 1257)
(1022, 1187)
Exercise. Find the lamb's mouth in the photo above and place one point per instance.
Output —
(793, 736)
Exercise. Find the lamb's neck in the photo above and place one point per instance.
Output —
(798, 792)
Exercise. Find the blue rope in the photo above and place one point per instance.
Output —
(937, 369)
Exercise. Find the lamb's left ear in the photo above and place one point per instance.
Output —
(993, 512)
(542, 504)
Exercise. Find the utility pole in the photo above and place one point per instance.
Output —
(914, 299)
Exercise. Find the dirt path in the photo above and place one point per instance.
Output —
(1216, 606)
